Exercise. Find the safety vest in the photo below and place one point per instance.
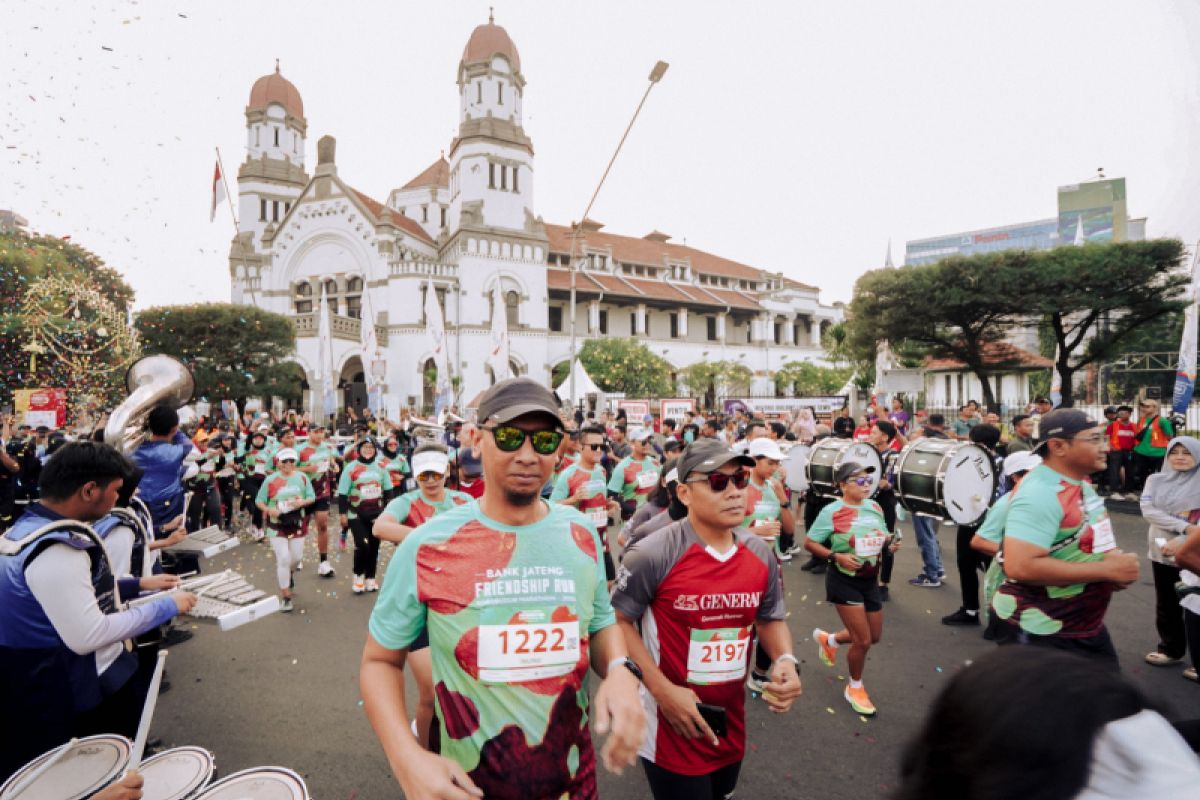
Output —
(1158, 437)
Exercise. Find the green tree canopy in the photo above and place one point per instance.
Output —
(710, 379)
(25, 259)
(1092, 297)
(800, 378)
(234, 351)
(626, 365)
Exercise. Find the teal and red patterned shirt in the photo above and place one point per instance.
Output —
(1068, 518)
(280, 493)
(413, 508)
(509, 612)
(634, 480)
(365, 485)
(594, 505)
(858, 530)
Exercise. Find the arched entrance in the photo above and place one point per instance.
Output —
(353, 384)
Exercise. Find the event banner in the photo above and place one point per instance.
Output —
(635, 410)
(36, 407)
(676, 408)
(782, 406)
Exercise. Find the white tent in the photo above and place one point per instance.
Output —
(584, 385)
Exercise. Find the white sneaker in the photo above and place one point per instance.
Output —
(285, 605)
(257, 534)
(359, 585)
(372, 586)
(299, 566)
(325, 569)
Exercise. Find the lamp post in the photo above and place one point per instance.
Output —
(656, 75)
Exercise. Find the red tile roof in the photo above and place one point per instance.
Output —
(643, 289)
(652, 252)
(275, 88)
(996, 354)
(436, 174)
(489, 40)
(398, 219)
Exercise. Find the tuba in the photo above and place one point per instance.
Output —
(424, 432)
(152, 381)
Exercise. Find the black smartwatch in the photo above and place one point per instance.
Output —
(629, 664)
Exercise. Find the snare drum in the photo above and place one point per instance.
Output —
(87, 767)
(259, 783)
(829, 454)
(941, 478)
(176, 774)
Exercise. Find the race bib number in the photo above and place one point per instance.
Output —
(868, 546)
(283, 506)
(717, 655)
(766, 511)
(1103, 539)
(531, 648)
(260, 468)
(647, 480)
(598, 516)
(370, 491)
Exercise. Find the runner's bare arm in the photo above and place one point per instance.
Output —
(985, 546)
(389, 529)
(1028, 563)
(784, 686)
(617, 706)
(422, 775)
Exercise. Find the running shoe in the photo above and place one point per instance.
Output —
(342, 543)
(925, 581)
(784, 557)
(360, 584)
(285, 604)
(858, 700)
(827, 654)
(755, 682)
(961, 617)
(794, 549)
(372, 586)
(325, 569)
(299, 566)
(257, 534)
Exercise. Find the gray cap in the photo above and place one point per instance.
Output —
(1062, 423)
(708, 455)
(516, 397)
(848, 470)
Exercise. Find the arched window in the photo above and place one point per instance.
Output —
(303, 298)
(512, 308)
(354, 288)
(331, 295)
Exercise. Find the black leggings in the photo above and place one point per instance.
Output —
(366, 546)
(250, 487)
(970, 561)
(225, 489)
(667, 785)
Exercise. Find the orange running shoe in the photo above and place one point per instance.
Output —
(858, 700)
(828, 654)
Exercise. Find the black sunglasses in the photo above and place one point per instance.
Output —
(510, 438)
(599, 446)
(719, 481)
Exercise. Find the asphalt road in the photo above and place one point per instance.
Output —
(284, 690)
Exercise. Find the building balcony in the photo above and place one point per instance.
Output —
(346, 328)
(429, 269)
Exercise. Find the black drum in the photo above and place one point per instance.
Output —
(946, 479)
(829, 454)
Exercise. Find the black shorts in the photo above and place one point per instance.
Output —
(843, 590)
(322, 504)
(421, 642)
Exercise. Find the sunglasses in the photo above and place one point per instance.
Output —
(288, 461)
(594, 446)
(510, 438)
(860, 481)
(429, 476)
(719, 481)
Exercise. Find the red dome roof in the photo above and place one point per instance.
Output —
(275, 88)
(489, 40)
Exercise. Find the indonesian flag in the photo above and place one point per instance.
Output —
(218, 191)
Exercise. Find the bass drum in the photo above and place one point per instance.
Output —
(85, 768)
(795, 463)
(829, 454)
(950, 480)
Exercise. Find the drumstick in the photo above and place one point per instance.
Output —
(37, 773)
(143, 731)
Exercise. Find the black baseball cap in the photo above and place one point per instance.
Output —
(1062, 423)
(708, 455)
(848, 470)
(1110, 410)
(516, 397)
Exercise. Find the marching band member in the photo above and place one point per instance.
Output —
(161, 458)
(363, 491)
(282, 498)
(67, 666)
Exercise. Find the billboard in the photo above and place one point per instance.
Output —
(676, 408)
(37, 407)
(1100, 205)
(782, 406)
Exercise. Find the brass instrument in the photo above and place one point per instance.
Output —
(424, 432)
(152, 381)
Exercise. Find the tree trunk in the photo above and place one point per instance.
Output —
(1067, 373)
(989, 397)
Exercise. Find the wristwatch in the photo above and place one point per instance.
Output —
(627, 663)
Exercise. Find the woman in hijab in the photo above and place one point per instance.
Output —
(1171, 504)
(805, 426)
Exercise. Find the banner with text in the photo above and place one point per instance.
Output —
(37, 407)
(783, 406)
(676, 408)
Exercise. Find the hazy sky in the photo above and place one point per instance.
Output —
(793, 136)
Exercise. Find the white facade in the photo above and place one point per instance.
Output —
(467, 224)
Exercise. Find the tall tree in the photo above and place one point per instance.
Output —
(712, 378)
(24, 259)
(950, 309)
(234, 351)
(800, 378)
(626, 365)
(1098, 297)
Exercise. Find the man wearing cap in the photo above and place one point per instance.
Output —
(431, 463)
(1060, 555)
(697, 587)
(851, 534)
(635, 476)
(319, 462)
(470, 472)
(282, 499)
(512, 593)
(582, 486)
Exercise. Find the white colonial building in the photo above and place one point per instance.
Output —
(467, 223)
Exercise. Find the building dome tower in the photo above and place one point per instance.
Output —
(491, 160)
